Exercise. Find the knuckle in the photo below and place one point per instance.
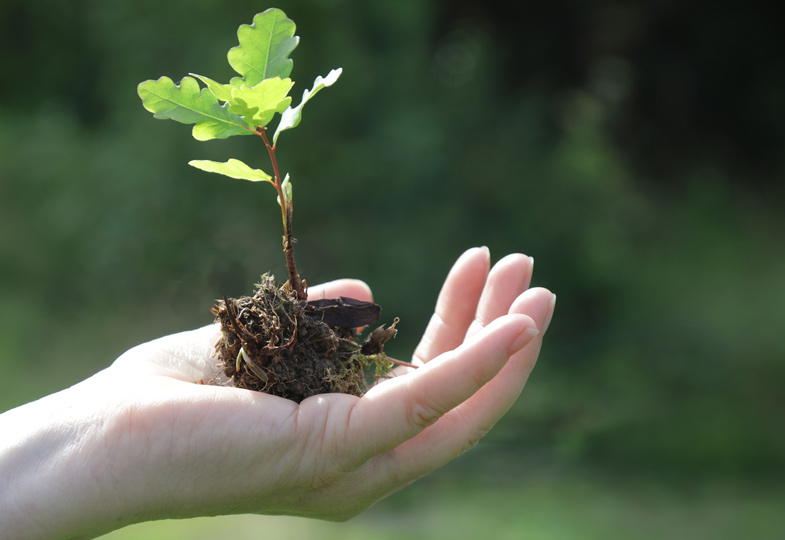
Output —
(422, 415)
(473, 439)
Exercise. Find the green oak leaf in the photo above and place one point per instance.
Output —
(259, 104)
(291, 117)
(234, 168)
(222, 91)
(264, 47)
(187, 104)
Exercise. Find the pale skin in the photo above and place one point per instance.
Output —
(144, 440)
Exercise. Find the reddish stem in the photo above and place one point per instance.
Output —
(401, 363)
(286, 213)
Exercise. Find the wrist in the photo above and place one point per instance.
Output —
(50, 465)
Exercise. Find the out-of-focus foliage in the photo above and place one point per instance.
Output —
(635, 150)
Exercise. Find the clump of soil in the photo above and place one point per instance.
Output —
(274, 342)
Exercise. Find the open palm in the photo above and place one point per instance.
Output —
(179, 449)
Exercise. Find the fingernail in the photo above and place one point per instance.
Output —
(523, 339)
(549, 316)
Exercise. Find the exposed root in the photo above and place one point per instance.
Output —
(270, 344)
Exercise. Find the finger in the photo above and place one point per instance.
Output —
(504, 389)
(508, 278)
(463, 426)
(456, 305)
(353, 288)
(400, 408)
(481, 412)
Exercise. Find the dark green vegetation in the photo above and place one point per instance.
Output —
(635, 151)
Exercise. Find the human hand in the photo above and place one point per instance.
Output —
(152, 444)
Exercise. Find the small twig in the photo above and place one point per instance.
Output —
(402, 363)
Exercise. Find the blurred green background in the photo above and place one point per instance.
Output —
(634, 149)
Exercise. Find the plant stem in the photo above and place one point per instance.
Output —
(286, 214)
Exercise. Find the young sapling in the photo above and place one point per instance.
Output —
(274, 341)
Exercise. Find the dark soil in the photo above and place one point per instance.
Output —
(275, 343)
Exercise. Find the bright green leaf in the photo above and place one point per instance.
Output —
(291, 117)
(258, 104)
(221, 91)
(264, 47)
(234, 168)
(185, 103)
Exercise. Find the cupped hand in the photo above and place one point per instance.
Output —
(170, 447)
